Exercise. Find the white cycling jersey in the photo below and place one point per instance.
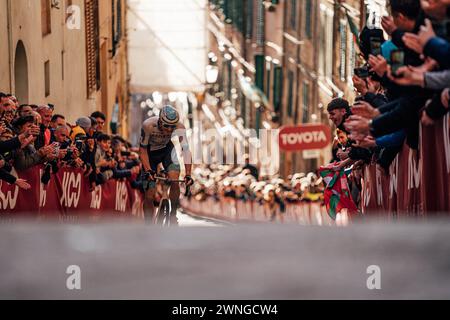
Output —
(154, 138)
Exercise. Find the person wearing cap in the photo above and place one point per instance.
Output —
(339, 111)
(81, 129)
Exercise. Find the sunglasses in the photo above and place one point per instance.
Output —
(168, 126)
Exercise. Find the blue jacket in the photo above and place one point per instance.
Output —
(392, 140)
(438, 49)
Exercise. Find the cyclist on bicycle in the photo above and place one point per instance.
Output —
(156, 148)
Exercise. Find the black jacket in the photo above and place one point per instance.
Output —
(10, 145)
(6, 176)
(400, 114)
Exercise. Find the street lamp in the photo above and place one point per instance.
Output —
(212, 74)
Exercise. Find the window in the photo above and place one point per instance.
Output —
(290, 93)
(47, 78)
(46, 17)
(293, 14)
(305, 102)
(308, 20)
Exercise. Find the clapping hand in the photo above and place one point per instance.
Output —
(365, 110)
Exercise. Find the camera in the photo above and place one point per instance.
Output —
(125, 153)
(371, 41)
(362, 72)
(69, 154)
(66, 144)
(397, 61)
(7, 167)
(375, 46)
(79, 144)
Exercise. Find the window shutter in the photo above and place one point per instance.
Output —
(277, 87)
(308, 20)
(249, 20)
(259, 66)
(293, 16)
(45, 17)
(92, 46)
(290, 93)
(260, 17)
(305, 102)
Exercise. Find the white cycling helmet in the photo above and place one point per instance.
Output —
(169, 116)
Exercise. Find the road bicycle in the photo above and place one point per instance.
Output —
(163, 214)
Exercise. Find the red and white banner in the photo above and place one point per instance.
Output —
(68, 194)
(418, 182)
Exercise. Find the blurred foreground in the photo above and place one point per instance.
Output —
(133, 261)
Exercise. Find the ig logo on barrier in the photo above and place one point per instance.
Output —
(73, 282)
(374, 280)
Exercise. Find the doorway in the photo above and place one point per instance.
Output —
(21, 73)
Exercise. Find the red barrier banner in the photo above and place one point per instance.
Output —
(418, 183)
(68, 193)
(435, 152)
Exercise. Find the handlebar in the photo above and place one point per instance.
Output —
(188, 188)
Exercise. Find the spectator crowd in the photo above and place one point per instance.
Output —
(32, 135)
(227, 183)
(403, 84)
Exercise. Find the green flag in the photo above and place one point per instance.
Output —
(353, 28)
